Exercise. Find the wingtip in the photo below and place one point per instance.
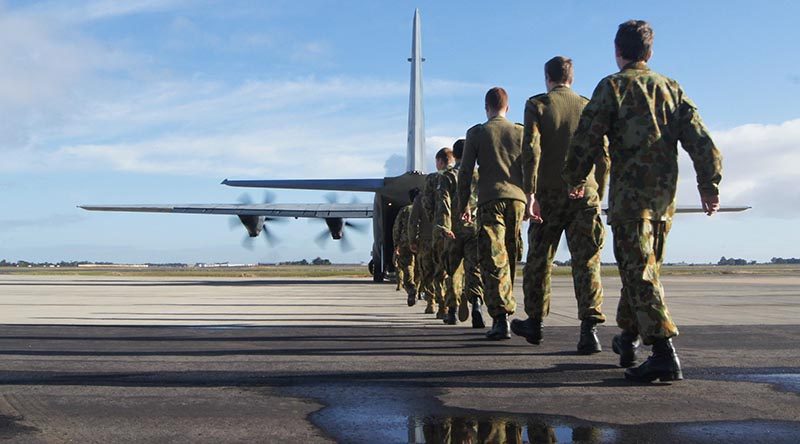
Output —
(224, 182)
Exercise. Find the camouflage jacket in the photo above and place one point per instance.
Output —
(420, 227)
(400, 227)
(429, 194)
(644, 115)
(496, 146)
(550, 121)
(446, 216)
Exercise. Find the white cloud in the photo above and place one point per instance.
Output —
(759, 168)
(92, 10)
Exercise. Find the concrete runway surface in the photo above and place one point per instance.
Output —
(304, 360)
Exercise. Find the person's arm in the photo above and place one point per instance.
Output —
(465, 174)
(707, 160)
(531, 154)
(444, 212)
(588, 141)
(602, 166)
(414, 223)
(397, 229)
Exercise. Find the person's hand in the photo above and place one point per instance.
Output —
(448, 234)
(532, 210)
(710, 204)
(413, 247)
(466, 216)
(576, 192)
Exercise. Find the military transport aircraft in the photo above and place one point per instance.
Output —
(391, 193)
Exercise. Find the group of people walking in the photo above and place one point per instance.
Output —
(458, 243)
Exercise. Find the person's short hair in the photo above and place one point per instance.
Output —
(458, 148)
(412, 194)
(634, 40)
(445, 155)
(559, 69)
(496, 99)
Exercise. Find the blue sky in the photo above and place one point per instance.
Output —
(157, 101)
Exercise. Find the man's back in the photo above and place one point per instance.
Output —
(556, 116)
(644, 115)
(497, 147)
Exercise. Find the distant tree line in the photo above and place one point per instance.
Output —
(316, 261)
(780, 260)
(734, 261)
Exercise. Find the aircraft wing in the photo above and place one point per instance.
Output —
(368, 185)
(700, 210)
(326, 210)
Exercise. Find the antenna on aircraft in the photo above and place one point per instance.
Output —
(416, 118)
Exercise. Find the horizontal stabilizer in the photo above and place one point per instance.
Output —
(328, 210)
(367, 185)
(700, 210)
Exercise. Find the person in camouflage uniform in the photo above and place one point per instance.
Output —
(550, 120)
(403, 254)
(437, 249)
(496, 146)
(461, 243)
(644, 115)
(420, 237)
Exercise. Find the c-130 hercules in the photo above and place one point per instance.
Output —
(391, 193)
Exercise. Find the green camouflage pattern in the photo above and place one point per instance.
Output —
(452, 270)
(499, 249)
(400, 227)
(585, 234)
(460, 255)
(427, 272)
(420, 227)
(464, 256)
(429, 195)
(405, 268)
(550, 121)
(639, 250)
(644, 115)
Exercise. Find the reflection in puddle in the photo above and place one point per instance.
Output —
(495, 430)
(380, 414)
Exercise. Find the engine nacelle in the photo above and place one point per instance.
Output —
(253, 224)
(335, 226)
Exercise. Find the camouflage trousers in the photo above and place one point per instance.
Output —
(405, 269)
(499, 249)
(463, 280)
(639, 250)
(429, 280)
(585, 237)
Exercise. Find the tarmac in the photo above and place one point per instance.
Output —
(345, 360)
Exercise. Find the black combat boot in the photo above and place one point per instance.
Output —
(625, 345)
(499, 329)
(450, 317)
(530, 329)
(440, 313)
(663, 365)
(412, 297)
(463, 309)
(477, 314)
(588, 343)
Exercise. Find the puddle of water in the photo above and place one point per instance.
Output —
(372, 414)
(786, 381)
(497, 429)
